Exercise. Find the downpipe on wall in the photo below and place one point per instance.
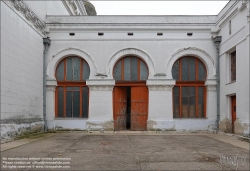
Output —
(217, 41)
(46, 42)
(248, 20)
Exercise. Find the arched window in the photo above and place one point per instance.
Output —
(130, 69)
(72, 94)
(189, 93)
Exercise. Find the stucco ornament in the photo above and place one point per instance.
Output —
(50, 88)
(75, 7)
(101, 88)
(30, 16)
(160, 88)
(211, 87)
(25, 12)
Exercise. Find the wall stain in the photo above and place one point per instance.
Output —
(104, 126)
(12, 128)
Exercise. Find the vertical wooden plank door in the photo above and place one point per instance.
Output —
(233, 101)
(120, 108)
(139, 108)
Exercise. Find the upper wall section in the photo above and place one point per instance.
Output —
(233, 24)
(38, 7)
(232, 9)
(118, 27)
(48, 7)
(34, 12)
(59, 7)
(43, 8)
(230, 5)
(134, 19)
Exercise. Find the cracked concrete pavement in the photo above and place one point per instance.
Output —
(137, 151)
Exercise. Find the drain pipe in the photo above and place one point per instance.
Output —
(248, 20)
(46, 42)
(217, 41)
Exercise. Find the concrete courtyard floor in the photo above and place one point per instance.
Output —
(131, 151)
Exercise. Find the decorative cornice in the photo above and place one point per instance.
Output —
(75, 7)
(211, 87)
(66, 4)
(160, 87)
(50, 88)
(24, 11)
(81, 7)
(243, 5)
(230, 16)
(100, 88)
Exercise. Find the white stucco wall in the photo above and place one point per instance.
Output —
(159, 53)
(21, 72)
(159, 50)
(22, 35)
(238, 40)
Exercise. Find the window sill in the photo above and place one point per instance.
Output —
(71, 118)
(190, 118)
(231, 82)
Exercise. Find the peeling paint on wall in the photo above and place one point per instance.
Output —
(211, 127)
(10, 131)
(241, 128)
(106, 126)
(225, 126)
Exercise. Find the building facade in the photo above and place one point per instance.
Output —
(117, 73)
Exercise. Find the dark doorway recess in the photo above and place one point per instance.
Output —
(233, 105)
(130, 108)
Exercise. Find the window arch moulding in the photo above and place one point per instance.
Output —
(195, 52)
(134, 52)
(52, 64)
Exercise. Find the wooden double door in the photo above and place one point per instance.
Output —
(130, 108)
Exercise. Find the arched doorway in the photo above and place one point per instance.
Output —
(130, 95)
(72, 94)
(189, 93)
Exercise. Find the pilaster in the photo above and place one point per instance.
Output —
(160, 110)
(50, 105)
(211, 99)
(100, 104)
